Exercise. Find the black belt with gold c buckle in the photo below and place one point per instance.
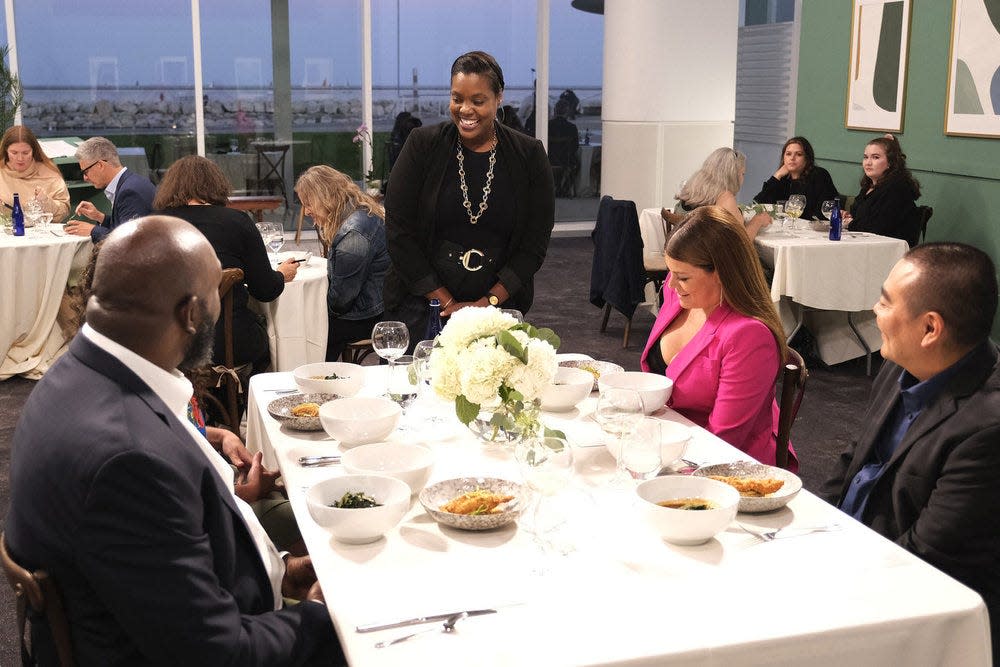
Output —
(473, 259)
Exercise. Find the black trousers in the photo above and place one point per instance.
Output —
(343, 332)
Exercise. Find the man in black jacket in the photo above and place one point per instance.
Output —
(924, 470)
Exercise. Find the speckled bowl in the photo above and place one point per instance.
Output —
(438, 494)
(281, 409)
(594, 367)
(751, 504)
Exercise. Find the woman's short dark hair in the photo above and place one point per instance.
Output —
(807, 148)
(480, 62)
(192, 178)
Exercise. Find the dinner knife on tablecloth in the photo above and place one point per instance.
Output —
(373, 627)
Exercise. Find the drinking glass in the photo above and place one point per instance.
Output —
(403, 383)
(45, 218)
(640, 455)
(546, 465)
(275, 239)
(779, 213)
(421, 362)
(32, 212)
(795, 205)
(619, 412)
(390, 340)
(827, 208)
(513, 312)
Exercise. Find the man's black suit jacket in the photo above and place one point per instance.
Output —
(133, 199)
(110, 495)
(939, 496)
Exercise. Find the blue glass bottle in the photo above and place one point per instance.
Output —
(433, 320)
(835, 223)
(17, 216)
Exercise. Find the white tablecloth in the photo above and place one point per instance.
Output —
(845, 276)
(625, 596)
(654, 238)
(297, 320)
(34, 270)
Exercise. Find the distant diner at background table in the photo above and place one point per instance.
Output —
(27, 171)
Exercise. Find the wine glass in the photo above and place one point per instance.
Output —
(640, 455)
(275, 239)
(546, 465)
(795, 205)
(403, 383)
(421, 361)
(390, 340)
(32, 212)
(45, 218)
(619, 412)
(779, 213)
(827, 208)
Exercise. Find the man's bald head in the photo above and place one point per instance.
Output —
(154, 280)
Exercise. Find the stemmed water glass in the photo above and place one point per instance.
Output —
(390, 340)
(546, 465)
(421, 362)
(274, 238)
(619, 412)
(779, 213)
(827, 208)
(403, 384)
(45, 218)
(641, 455)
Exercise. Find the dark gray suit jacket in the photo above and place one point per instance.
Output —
(133, 199)
(939, 496)
(151, 554)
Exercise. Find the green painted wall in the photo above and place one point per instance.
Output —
(960, 176)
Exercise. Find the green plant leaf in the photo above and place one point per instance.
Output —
(512, 346)
(554, 433)
(465, 409)
(549, 336)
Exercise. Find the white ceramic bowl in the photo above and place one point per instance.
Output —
(348, 383)
(358, 526)
(687, 527)
(674, 438)
(359, 420)
(408, 463)
(654, 390)
(568, 388)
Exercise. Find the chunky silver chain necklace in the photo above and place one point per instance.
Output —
(486, 188)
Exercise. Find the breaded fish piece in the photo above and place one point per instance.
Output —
(480, 501)
(753, 487)
(306, 410)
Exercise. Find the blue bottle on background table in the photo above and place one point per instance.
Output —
(835, 223)
(17, 216)
(433, 320)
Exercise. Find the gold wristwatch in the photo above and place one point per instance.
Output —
(493, 299)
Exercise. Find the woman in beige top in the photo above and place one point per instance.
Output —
(26, 170)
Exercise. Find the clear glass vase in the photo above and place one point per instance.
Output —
(505, 425)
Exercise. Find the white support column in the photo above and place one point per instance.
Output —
(542, 73)
(366, 85)
(669, 95)
(199, 97)
(12, 53)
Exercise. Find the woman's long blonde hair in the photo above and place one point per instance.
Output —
(719, 172)
(711, 239)
(332, 197)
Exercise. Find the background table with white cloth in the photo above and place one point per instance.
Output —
(34, 270)
(297, 320)
(623, 596)
(843, 278)
(654, 238)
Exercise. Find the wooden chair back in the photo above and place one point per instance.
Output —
(671, 221)
(227, 375)
(36, 595)
(925, 215)
(356, 352)
(793, 386)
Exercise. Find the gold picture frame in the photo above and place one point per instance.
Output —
(876, 84)
(972, 103)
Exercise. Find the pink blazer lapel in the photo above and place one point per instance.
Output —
(705, 335)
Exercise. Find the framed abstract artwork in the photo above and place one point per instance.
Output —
(973, 101)
(876, 88)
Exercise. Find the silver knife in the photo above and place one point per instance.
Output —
(373, 627)
(312, 461)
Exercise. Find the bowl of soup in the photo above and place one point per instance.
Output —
(687, 510)
(329, 377)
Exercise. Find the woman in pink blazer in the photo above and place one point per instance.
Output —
(718, 336)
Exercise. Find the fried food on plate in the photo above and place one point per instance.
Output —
(480, 501)
(753, 487)
(306, 410)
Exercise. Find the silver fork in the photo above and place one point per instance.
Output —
(449, 625)
(769, 535)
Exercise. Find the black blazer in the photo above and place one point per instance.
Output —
(939, 496)
(888, 210)
(411, 211)
(817, 187)
(133, 199)
(115, 500)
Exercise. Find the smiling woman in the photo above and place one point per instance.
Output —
(470, 206)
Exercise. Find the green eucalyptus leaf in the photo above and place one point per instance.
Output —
(465, 409)
(512, 346)
(549, 336)
(554, 433)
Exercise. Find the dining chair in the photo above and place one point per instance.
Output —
(270, 168)
(227, 375)
(356, 352)
(793, 386)
(617, 275)
(39, 611)
(925, 215)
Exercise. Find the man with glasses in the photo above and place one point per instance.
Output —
(131, 194)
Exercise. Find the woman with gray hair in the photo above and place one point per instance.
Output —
(716, 184)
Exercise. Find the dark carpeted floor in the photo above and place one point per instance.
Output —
(831, 410)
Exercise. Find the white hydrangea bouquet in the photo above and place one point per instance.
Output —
(485, 360)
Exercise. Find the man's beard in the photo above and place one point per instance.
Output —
(202, 344)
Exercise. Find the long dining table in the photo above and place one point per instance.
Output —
(617, 594)
(34, 271)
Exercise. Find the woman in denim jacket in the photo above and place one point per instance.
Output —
(352, 224)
